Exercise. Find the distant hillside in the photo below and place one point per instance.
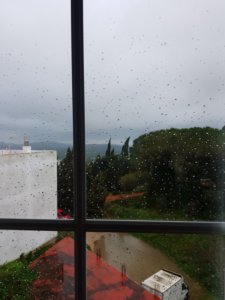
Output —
(92, 150)
(9, 146)
(59, 147)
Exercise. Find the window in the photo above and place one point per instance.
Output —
(81, 225)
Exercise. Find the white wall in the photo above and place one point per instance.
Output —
(28, 189)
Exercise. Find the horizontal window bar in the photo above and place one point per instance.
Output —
(155, 226)
(36, 224)
(115, 226)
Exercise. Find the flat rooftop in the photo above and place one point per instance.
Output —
(13, 152)
(161, 281)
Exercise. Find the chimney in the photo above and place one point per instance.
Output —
(26, 145)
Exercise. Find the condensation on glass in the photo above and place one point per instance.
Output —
(36, 265)
(36, 110)
(155, 131)
(144, 264)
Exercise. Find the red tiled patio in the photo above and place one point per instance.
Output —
(104, 282)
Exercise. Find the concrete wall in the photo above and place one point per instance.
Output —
(28, 189)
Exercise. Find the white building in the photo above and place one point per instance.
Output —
(28, 189)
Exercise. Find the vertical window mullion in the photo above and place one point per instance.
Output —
(79, 147)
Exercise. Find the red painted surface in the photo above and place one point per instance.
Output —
(61, 215)
(104, 282)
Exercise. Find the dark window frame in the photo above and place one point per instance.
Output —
(80, 225)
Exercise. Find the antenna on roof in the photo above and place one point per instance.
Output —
(26, 140)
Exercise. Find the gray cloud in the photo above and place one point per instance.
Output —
(149, 64)
(35, 79)
(154, 64)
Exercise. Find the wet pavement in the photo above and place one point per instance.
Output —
(55, 269)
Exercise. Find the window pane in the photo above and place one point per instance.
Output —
(35, 108)
(154, 80)
(119, 263)
(36, 265)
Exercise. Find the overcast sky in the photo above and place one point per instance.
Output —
(149, 64)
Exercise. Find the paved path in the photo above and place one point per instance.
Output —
(111, 198)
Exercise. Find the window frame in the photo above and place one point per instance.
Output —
(80, 225)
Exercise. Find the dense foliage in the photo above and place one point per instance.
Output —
(180, 170)
(183, 169)
(65, 183)
(16, 277)
(102, 177)
(15, 280)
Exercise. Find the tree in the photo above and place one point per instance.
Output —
(109, 152)
(65, 183)
(96, 193)
(129, 181)
(125, 148)
(175, 164)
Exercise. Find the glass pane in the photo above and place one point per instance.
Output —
(154, 75)
(124, 265)
(36, 265)
(35, 109)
